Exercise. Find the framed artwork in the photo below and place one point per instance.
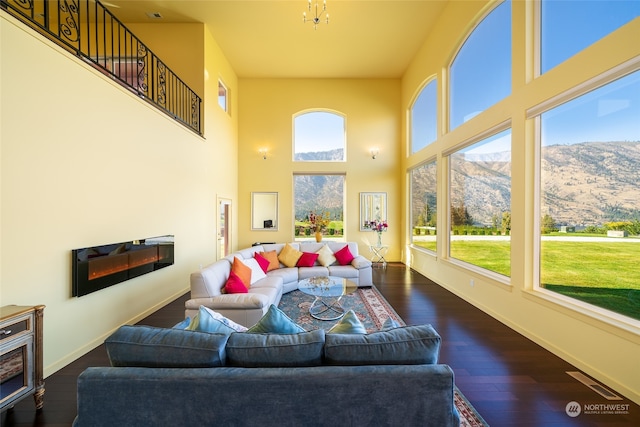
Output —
(373, 206)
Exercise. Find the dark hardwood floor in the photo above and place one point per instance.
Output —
(510, 380)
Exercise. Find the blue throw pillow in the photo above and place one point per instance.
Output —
(349, 324)
(183, 324)
(407, 345)
(389, 324)
(205, 322)
(275, 322)
(275, 350)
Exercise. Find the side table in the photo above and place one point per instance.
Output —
(21, 372)
(378, 254)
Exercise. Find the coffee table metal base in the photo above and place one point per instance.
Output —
(327, 308)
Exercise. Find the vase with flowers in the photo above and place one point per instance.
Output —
(378, 226)
(318, 223)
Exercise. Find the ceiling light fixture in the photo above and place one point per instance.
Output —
(318, 16)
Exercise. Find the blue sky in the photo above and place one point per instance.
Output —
(319, 131)
(481, 76)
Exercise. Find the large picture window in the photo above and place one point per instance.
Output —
(319, 136)
(424, 115)
(480, 74)
(424, 218)
(319, 206)
(590, 199)
(480, 209)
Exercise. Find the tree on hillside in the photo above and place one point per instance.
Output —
(506, 223)
(547, 225)
(460, 215)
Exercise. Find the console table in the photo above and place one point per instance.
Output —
(21, 372)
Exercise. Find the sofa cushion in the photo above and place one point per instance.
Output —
(344, 256)
(289, 256)
(272, 256)
(211, 321)
(408, 345)
(325, 256)
(349, 324)
(146, 346)
(307, 259)
(275, 321)
(234, 285)
(275, 350)
(262, 261)
(242, 270)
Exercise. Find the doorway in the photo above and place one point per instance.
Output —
(224, 227)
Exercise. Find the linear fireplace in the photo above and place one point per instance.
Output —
(99, 267)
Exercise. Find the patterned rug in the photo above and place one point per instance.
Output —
(372, 310)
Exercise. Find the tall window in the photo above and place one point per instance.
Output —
(319, 197)
(590, 199)
(480, 75)
(424, 114)
(480, 195)
(222, 96)
(319, 136)
(570, 26)
(424, 219)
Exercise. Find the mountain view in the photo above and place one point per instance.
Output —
(584, 184)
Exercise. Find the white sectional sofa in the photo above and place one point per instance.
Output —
(247, 308)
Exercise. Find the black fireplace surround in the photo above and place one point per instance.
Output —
(99, 267)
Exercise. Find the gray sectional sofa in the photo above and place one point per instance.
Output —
(246, 309)
(175, 377)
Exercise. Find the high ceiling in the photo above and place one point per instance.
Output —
(267, 38)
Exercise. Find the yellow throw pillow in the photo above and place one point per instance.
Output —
(242, 271)
(289, 256)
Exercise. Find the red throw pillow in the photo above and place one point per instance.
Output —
(234, 285)
(344, 256)
(243, 271)
(262, 262)
(307, 259)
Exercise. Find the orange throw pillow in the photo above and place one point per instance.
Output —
(242, 271)
(272, 257)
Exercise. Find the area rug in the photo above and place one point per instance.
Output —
(369, 305)
(372, 310)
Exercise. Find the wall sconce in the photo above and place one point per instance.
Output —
(263, 153)
(374, 152)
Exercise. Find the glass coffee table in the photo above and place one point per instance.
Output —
(328, 291)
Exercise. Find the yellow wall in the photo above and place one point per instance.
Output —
(606, 349)
(85, 162)
(266, 109)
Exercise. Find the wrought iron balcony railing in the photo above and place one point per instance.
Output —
(88, 29)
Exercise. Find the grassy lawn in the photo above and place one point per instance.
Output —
(599, 273)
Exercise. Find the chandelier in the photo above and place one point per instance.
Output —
(315, 20)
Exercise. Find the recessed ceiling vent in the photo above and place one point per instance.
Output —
(154, 15)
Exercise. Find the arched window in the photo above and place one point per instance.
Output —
(480, 74)
(424, 115)
(567, 27)
(319, 136)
